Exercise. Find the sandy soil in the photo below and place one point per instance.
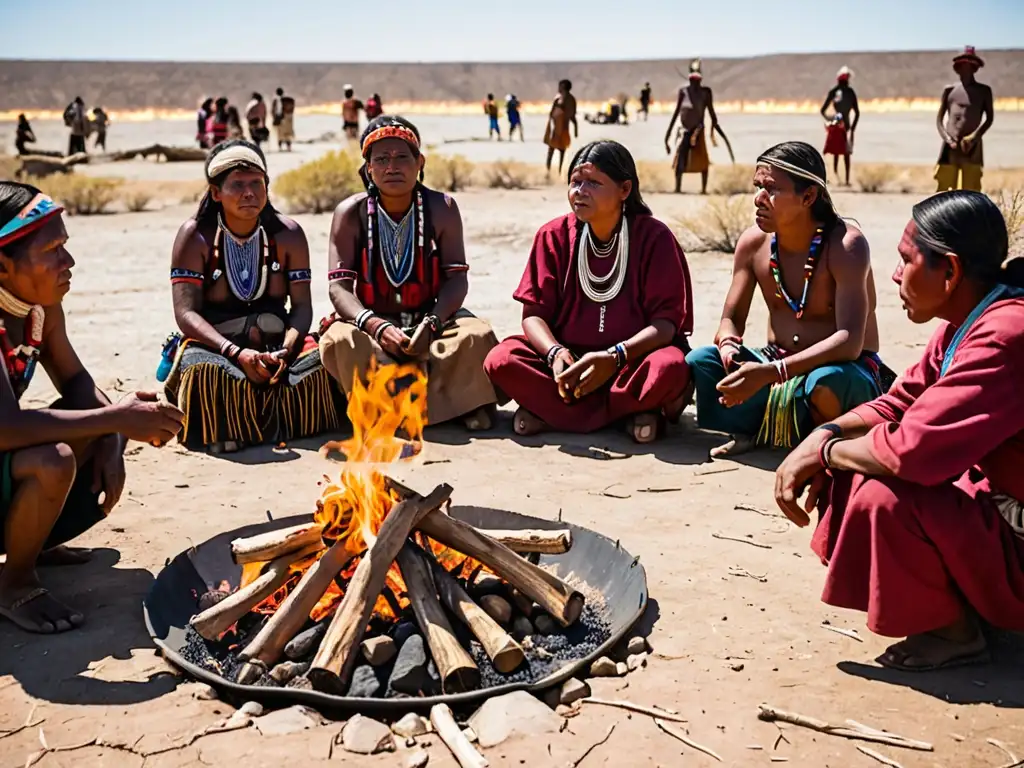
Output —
(723, 644)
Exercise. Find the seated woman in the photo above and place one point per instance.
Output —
(55, 462)
(398, 273)
(247, 372)
(924, 524)
(607, 306)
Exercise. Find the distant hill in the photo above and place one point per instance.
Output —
(39, 85)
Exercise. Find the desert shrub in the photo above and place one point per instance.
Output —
(718, 225)
(448, 174)
(9, 167)
(195, 193)
(732, 179)
(136, 200)
(655, 176)
(319, 185)
(876, 178)
(508, 174)
(1011, 203)
(80, 195)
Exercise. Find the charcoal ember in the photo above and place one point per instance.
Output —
(402, 631)
(366, 682)
(545, 624)
(306, 642)
(209, 599)
(486, 584)
(497, 608)
(521, 627)
(410, 674)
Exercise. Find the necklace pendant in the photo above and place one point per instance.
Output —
(600, 323)
(796, 340)
(398, 297)
(245, 274)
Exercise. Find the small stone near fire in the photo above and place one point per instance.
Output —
(514, 714)
(252, 708)
(622, 669)
(286, 671)
(603, 667)
(635, 661)
(304, 643)
(411, 725)
(379, 650)
(410, 673)
(290, 720)
(522, 602)
(521, 627)
(487, 584)
(204, 692)
(497, 608)
(365, 683)
(417, 759)
(545, 624)
(573, 690)
(366, 736)
(403, 631)
(636, 645)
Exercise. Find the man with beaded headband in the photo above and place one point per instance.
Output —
(814, 272)
(57, 462)
(398, 279)
(247, 372)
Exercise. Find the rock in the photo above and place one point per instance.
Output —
(487, 584)
(567, 712)
(204, 692)
(621, 669)
(238, 719)
(521, 627)
(411, 725)
(573, 690)
(366, 736)
(635, 661)
(522, 602)
(417, 759)
(410, 674)
(287, 671)
(545, 624)
(403, 631)
(636, 645)
(497, 608)
(252, 708)
(379, 650)
(285, 721)
(304, 643)
(514, 714)
(365, 683)
(603, 667)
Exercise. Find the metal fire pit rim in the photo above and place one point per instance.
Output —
(395, 705)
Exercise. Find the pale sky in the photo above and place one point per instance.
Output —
(494, 30)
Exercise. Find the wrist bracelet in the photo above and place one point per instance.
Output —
(825, 451)
(363, 318)
(380, 330)
(834, 429)
(781, 370)
(233, 353)
(552, 354)
(434, 323)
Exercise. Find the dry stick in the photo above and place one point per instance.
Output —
(29, 723)
(504, 652)
(999, 745)
(742, 541)
(555, 542)
(274, 544)
(634, 708)
(717, 471)
(458, 671)
(879, 757)
(219, 618)
(443, 720)
(686, 740)
(592, 747)
(845, 632)
(771, 714)
(339, 649)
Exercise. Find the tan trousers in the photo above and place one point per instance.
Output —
(456, 382)
(966, 176)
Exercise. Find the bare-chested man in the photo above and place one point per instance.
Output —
(839, 127)
(961, 126)
(691, 149)
(350, 109)
(562, 115)
(814, 272)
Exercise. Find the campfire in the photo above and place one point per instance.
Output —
(383, 593)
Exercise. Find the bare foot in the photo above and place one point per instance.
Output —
(33, 609)
(479, 420)
(526, 424)
(737, 444)
(644, 427)
(932, 650)
(61, 555)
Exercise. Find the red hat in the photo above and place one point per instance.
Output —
(969, 56)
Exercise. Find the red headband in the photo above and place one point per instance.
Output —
(390, 132)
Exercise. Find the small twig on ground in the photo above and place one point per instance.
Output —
(658, 490)
(781, 738)
(35, 757)
(634, 708)
(733, 571)
(592, 747)
(757, 544)
(851, 633)
(758, 510)
(716, 471)
(879, 757)
(27, 724)
(604, 492)
(436, 461)
(1009, 752)
(772, 715)
(686, 740)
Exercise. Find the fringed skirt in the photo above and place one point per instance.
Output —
(221, 404)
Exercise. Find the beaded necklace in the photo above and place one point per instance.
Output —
(398, 250)
(809, 266)
(21, 360)
(247, 277)
(602, 289)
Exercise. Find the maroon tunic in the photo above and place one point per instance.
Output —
(910, 549)
(657, 287)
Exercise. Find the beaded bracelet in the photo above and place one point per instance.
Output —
(825, 452)
(380, 330)
(552, 354)
(620, 355)
(781, 370)
(363, 318)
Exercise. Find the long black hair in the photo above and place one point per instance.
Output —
(806, 158)
(382, 121)
(209, 209)
(970, 225)
(14, 196)
(614, 160)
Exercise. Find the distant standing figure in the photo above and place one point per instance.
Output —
(963, 106)
(374, 107)
(256, 117)
(350, 109)
(76, 120)
(100, 121)
(283, 116)
(217, 123)
(645, 101)
(691, 156)
(839, 132)
(202, 115)
(556, 133)
(23, 135)
(235, 130)
(515, 120)
(491, 110)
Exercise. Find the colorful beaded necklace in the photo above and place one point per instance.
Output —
(397, 258)
(809, 265)
(21, 360)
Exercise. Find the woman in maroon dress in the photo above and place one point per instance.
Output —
(607, 306)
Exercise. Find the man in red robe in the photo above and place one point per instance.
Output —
(924, 525)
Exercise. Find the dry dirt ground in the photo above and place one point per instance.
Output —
(723, 643)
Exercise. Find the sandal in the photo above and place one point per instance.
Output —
(47, 607)
(933, 653)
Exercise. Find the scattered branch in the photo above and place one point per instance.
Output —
(634, 708)
(879, 757)
(773, 715)
(851, 633)
(715, 471)
(757, 544)
(592, 747)
(733, 571)
(686, 740)
(1009, 752)
(29, 723)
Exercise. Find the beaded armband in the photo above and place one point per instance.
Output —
(181, 275)
(299, 275)
(336, 275)
(457, 267)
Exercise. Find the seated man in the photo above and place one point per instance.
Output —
(923, 526)
(55, 462)
(814, 272)
(607, 306)
(248, 372)
(398, 278)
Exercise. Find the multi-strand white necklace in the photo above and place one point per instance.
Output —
(245, 261)
(396, 245)
(602, 289)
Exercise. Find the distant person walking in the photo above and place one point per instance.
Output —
(283, 116)
(235, 130)
(217, 123)
(23, 135)
(350, 109)
(561, 116)
(515, 120)
(645, 101)
(75, 119)
(374, 107)
(694, 100)
(838, 127)
(202, 115)
(100, 122)
(491, 110)
(968, 112)
(256, 117)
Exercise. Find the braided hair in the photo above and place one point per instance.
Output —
(383, 121)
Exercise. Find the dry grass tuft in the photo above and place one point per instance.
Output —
(9, 167)
(319, 185)
(718, 225)
(876, 178)
(655, 176)
(732, 179)
(449, 173)
(1011, 204)
(509, 174)
(136, 200)
(80, 195)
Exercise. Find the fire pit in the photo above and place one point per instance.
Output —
(387, 599)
